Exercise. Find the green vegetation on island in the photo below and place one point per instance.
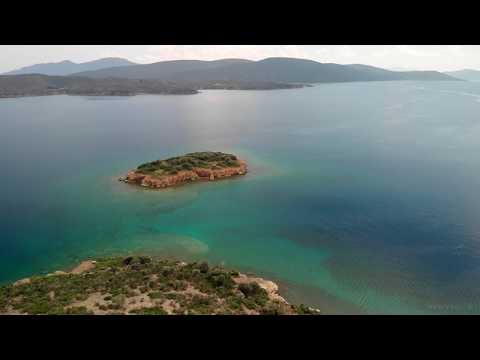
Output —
(206, 160)
(143, 285)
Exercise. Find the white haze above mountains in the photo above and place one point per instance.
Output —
(270, 69)
(402, 57)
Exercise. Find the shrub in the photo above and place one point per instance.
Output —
(155, 295)
(198, 300)
(78, 310)
(204, 267)
(127, 260)
(250, 289)
(249, 303)
(221, 280)
(171, 296)
(119, 300)
(234, 303)
(157, 310)
(201, 304)
(144, 260)
(167, 271)
(305, 310)
(271, 310)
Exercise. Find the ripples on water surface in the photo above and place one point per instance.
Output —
(362, 197)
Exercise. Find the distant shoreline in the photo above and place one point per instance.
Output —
(16, 86)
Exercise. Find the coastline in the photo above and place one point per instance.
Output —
(170, 287)
(183, 177)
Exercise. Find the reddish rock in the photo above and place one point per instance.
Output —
(185, 176)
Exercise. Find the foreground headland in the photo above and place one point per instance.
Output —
(187, 168)
(147, 286)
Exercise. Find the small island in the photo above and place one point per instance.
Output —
(143, 285)
(190, 167)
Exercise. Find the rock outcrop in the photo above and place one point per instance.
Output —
(184, 176)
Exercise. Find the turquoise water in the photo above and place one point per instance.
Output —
(361, 198)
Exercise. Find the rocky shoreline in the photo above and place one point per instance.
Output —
(186, 171)
(196, 174)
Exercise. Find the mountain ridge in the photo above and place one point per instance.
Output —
(465, 74)
(67, 67)
(163, 70)
(275, 69)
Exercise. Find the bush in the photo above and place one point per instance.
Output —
(234, 303)
(250, 304)
(144, 260)
(250, 289)
(78, 310)
(113, 306)
(305, 310)
(167, 271)
(119, 300)
(204, 267)
(198, 300)
(171, 296)
(271, 310)
(201, 305)
(221, 280)
(157, 310)
(155, 295)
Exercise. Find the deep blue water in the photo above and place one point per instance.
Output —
(362, 197)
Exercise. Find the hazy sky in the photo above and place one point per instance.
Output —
(398, 57)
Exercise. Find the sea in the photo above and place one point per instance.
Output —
(361, 198)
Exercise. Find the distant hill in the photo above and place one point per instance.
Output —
(165, 70)
(68, 67)
(466, 74)
(279, 70)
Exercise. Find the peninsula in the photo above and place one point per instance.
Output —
(145, 286)
(12, 86)
(187, 168)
